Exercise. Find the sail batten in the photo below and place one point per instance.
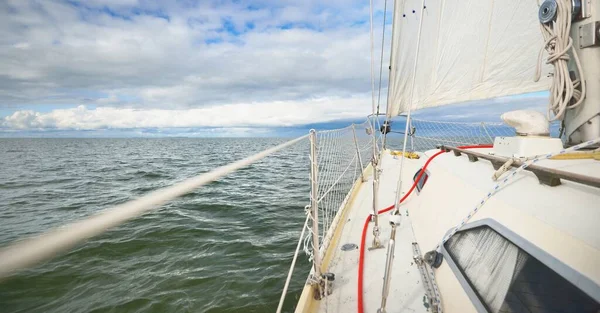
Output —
(469, 50)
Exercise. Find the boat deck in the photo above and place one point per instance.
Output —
(557, 225)
(406, 288)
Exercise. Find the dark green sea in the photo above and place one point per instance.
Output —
(226, 247)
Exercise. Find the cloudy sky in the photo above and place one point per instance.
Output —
(198, 68)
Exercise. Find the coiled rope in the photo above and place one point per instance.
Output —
(557, 43)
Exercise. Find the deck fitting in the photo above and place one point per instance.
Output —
(349, 247)
(496, 164)
(433, 258)
(547, 179)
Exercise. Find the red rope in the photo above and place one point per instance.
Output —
(361, 257)
(361, 263)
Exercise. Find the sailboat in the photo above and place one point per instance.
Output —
(471, 221)
(465, 217)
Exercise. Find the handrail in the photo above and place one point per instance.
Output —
(34, 250)
(546, 176)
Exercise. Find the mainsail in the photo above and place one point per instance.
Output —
(469, 50)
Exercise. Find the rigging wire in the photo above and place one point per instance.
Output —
(410, 96)
(381, 57)
(399, 184)
(387, 115)
(373, 108)
(372, 58)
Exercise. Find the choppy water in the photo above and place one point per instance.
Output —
(224, 248)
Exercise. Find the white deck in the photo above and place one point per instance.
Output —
(561, 220)
(406, 292)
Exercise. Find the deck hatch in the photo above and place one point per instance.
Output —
(505, 278)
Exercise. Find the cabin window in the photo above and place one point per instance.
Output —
(422, 181)
(507, 279)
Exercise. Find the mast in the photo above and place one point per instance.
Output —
(583, 122)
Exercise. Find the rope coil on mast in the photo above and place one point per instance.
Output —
(565, 92)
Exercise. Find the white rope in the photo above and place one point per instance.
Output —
(486, 132)
(512, 174)
(307, 245)
(503, 169)
(367, 145)
(558, 43)
(493, 191)
(291, 271)
(337, 180)
(29, 252)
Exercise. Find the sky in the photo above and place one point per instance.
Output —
(110, 68)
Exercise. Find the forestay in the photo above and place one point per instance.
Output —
(469, 50)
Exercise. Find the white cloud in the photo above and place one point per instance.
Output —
(239, 115)
(179, 56)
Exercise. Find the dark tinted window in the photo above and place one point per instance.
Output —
(509, 280)
(422, 181)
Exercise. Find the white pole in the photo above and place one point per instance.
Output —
(291, 271)
(375, 161)
(314, 211)
(362, 172)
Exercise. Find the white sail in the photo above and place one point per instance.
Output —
(469, 50)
